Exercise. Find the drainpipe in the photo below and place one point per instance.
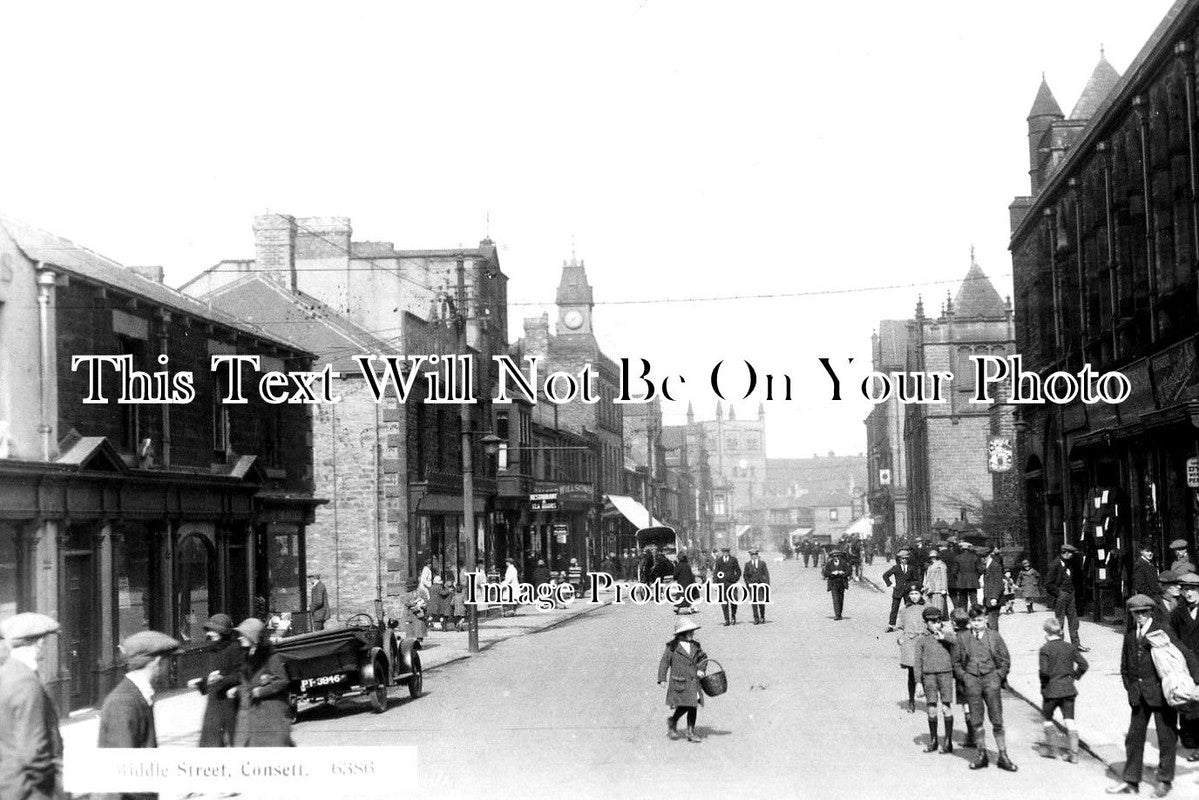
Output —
(45, 287)
(164, 340)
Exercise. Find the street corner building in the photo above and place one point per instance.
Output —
(1104, 250)
(117, 518)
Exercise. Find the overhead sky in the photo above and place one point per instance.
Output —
(683, 150)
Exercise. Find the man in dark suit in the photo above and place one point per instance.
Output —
(1144, 575)
(965, 577)
(127, 716)
(1184, 619)
(727, 572)
(900, 577)
(1062, 585)
(836, 571)
(1146, 698)
(756, 572)
(993, 586)
(318, 602)
(30, 745)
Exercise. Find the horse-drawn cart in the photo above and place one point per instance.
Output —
(363, 658)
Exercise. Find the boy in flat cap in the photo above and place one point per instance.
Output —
(30, 745)
(981, 661)
(933, 665)
(1182, 561)
(127, 717)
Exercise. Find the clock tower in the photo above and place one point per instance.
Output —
(574, 300)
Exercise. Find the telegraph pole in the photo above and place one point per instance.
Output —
(469, 557)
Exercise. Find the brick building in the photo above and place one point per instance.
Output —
(118, 518)
(887, 478)
(408, 298)
(1104, 251)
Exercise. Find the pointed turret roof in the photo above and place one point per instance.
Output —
(977, 298)
(574, 289)
(1103, 80)
(1045, 105)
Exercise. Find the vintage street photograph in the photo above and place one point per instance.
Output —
(599, 399)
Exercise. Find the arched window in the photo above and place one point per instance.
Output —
(195, 582)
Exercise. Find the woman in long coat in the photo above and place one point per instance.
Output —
(264, 715)
(911, 628)
(683, 664)
(224, 664)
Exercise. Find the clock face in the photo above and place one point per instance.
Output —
(573, 319)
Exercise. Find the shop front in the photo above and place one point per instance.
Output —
(110, 551)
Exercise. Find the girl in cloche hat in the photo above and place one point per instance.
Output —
(682, 665)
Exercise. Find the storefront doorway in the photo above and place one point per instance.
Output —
(79, 620)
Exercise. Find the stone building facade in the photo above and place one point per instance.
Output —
(1104, 250)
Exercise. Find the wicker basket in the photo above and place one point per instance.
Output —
(715, 681)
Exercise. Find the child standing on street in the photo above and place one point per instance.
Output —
(982, 661)
(1028, 583)
(682, 665)
(1061, 666)
(1009, 591)
(933, 665)
(911, 628)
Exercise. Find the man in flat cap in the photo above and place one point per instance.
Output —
(1146, 698)
(30, 745)
(992, 585)
(836, 572)
(1061, 584)
(1171, 593)
(727, 572)
(903, 573)
(127, 716)
(756, 572)
(1182, 561)
(1185, 622)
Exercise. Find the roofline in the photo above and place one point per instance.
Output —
(1160, 42)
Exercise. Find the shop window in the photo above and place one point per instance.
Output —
(832, 514)
(131, 422)
(133, 559)
(284, 560)
(195, 580)
(10, 572)
(220, 418)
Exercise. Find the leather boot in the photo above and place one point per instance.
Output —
(1072, 755)
(981, 762)
(1005, 763)
(691, 737)
(969, 735)
(931, 747)
(671, 728)
(947, 742)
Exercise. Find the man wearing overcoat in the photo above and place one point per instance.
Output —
(727, 572)
(756, 572)
(30, 745)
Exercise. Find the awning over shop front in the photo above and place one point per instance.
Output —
(800, 532)
(632, 510)
(861, 527)
(742, 530)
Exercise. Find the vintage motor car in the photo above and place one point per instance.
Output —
(363, 658)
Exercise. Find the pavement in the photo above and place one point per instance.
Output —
(178, 713)
(1102, 707)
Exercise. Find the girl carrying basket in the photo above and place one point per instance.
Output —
(683, 664)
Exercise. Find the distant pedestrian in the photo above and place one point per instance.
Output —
(1062, 585)
(30, 744)
(756, 572)
(574, 576)
(127, 716)
(836, 572)
(224, 661)
(682, 666)
(936, 581)
(1182, 563)
(1060, 665)
(965, 577)
(1146, 699)
(1144, 575)
(318, 602)
(727, 573)
(899, 577)
(263, 711)
(511, 579)
(805, 549)
(982, 662)
(855, 557)
(458, 607)
(1171, 594)
(415, 605)
(993, 586)
(1009, 592)
(684, 577)
(932, 663)
(541, 573)
(1028, 584)
(911, 628)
